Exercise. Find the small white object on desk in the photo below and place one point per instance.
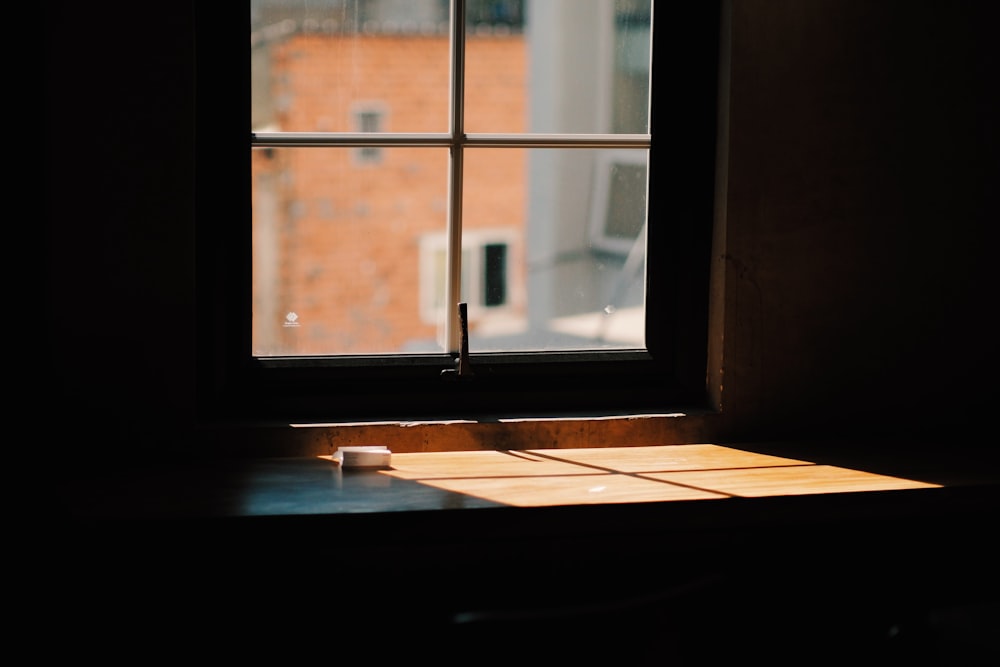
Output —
(363, 457)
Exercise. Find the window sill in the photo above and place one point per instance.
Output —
(282, 440)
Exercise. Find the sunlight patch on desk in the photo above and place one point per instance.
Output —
(479, 464)
(570, 490)
(543, 477)
(667, 458)
(799, 480)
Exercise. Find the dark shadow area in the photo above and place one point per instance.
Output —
(962, 459)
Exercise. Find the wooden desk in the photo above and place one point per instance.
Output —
(635, 555)
(536, 478)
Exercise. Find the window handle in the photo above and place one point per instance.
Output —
(463, 365)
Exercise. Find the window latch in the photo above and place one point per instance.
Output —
(463, 365)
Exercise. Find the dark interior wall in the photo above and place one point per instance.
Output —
(861, 167)
(120, 167)
(862, 164)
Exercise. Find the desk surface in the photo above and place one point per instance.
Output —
(655, 537)
(491, 479)
(695, 506)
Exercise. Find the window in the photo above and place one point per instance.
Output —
(493, 299)
(368, 118)
(512, 124)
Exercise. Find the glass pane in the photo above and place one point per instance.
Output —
(322, 65)
(558, 66)
(494, 212)
(496, 69)
(575, 261)
(338, 250)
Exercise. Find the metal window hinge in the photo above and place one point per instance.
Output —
(463, 366)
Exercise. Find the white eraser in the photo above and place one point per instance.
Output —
(363, 457)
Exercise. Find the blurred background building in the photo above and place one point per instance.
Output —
(349, 242)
